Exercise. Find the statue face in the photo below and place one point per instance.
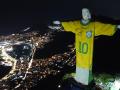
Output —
(86, 14)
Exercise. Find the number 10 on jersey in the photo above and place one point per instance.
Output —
(83, 47)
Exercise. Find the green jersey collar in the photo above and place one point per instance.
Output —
(83, 22)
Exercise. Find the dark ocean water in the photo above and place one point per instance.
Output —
(4, 70)
(22, 50)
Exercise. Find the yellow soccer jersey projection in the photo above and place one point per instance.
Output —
(84, 39)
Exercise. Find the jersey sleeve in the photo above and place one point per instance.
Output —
(104, 29)
(69, 26)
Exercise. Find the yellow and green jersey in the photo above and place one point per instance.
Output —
(84, 39)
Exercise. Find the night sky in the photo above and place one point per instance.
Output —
(18, 14)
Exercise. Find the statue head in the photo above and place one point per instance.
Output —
(86, 15)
